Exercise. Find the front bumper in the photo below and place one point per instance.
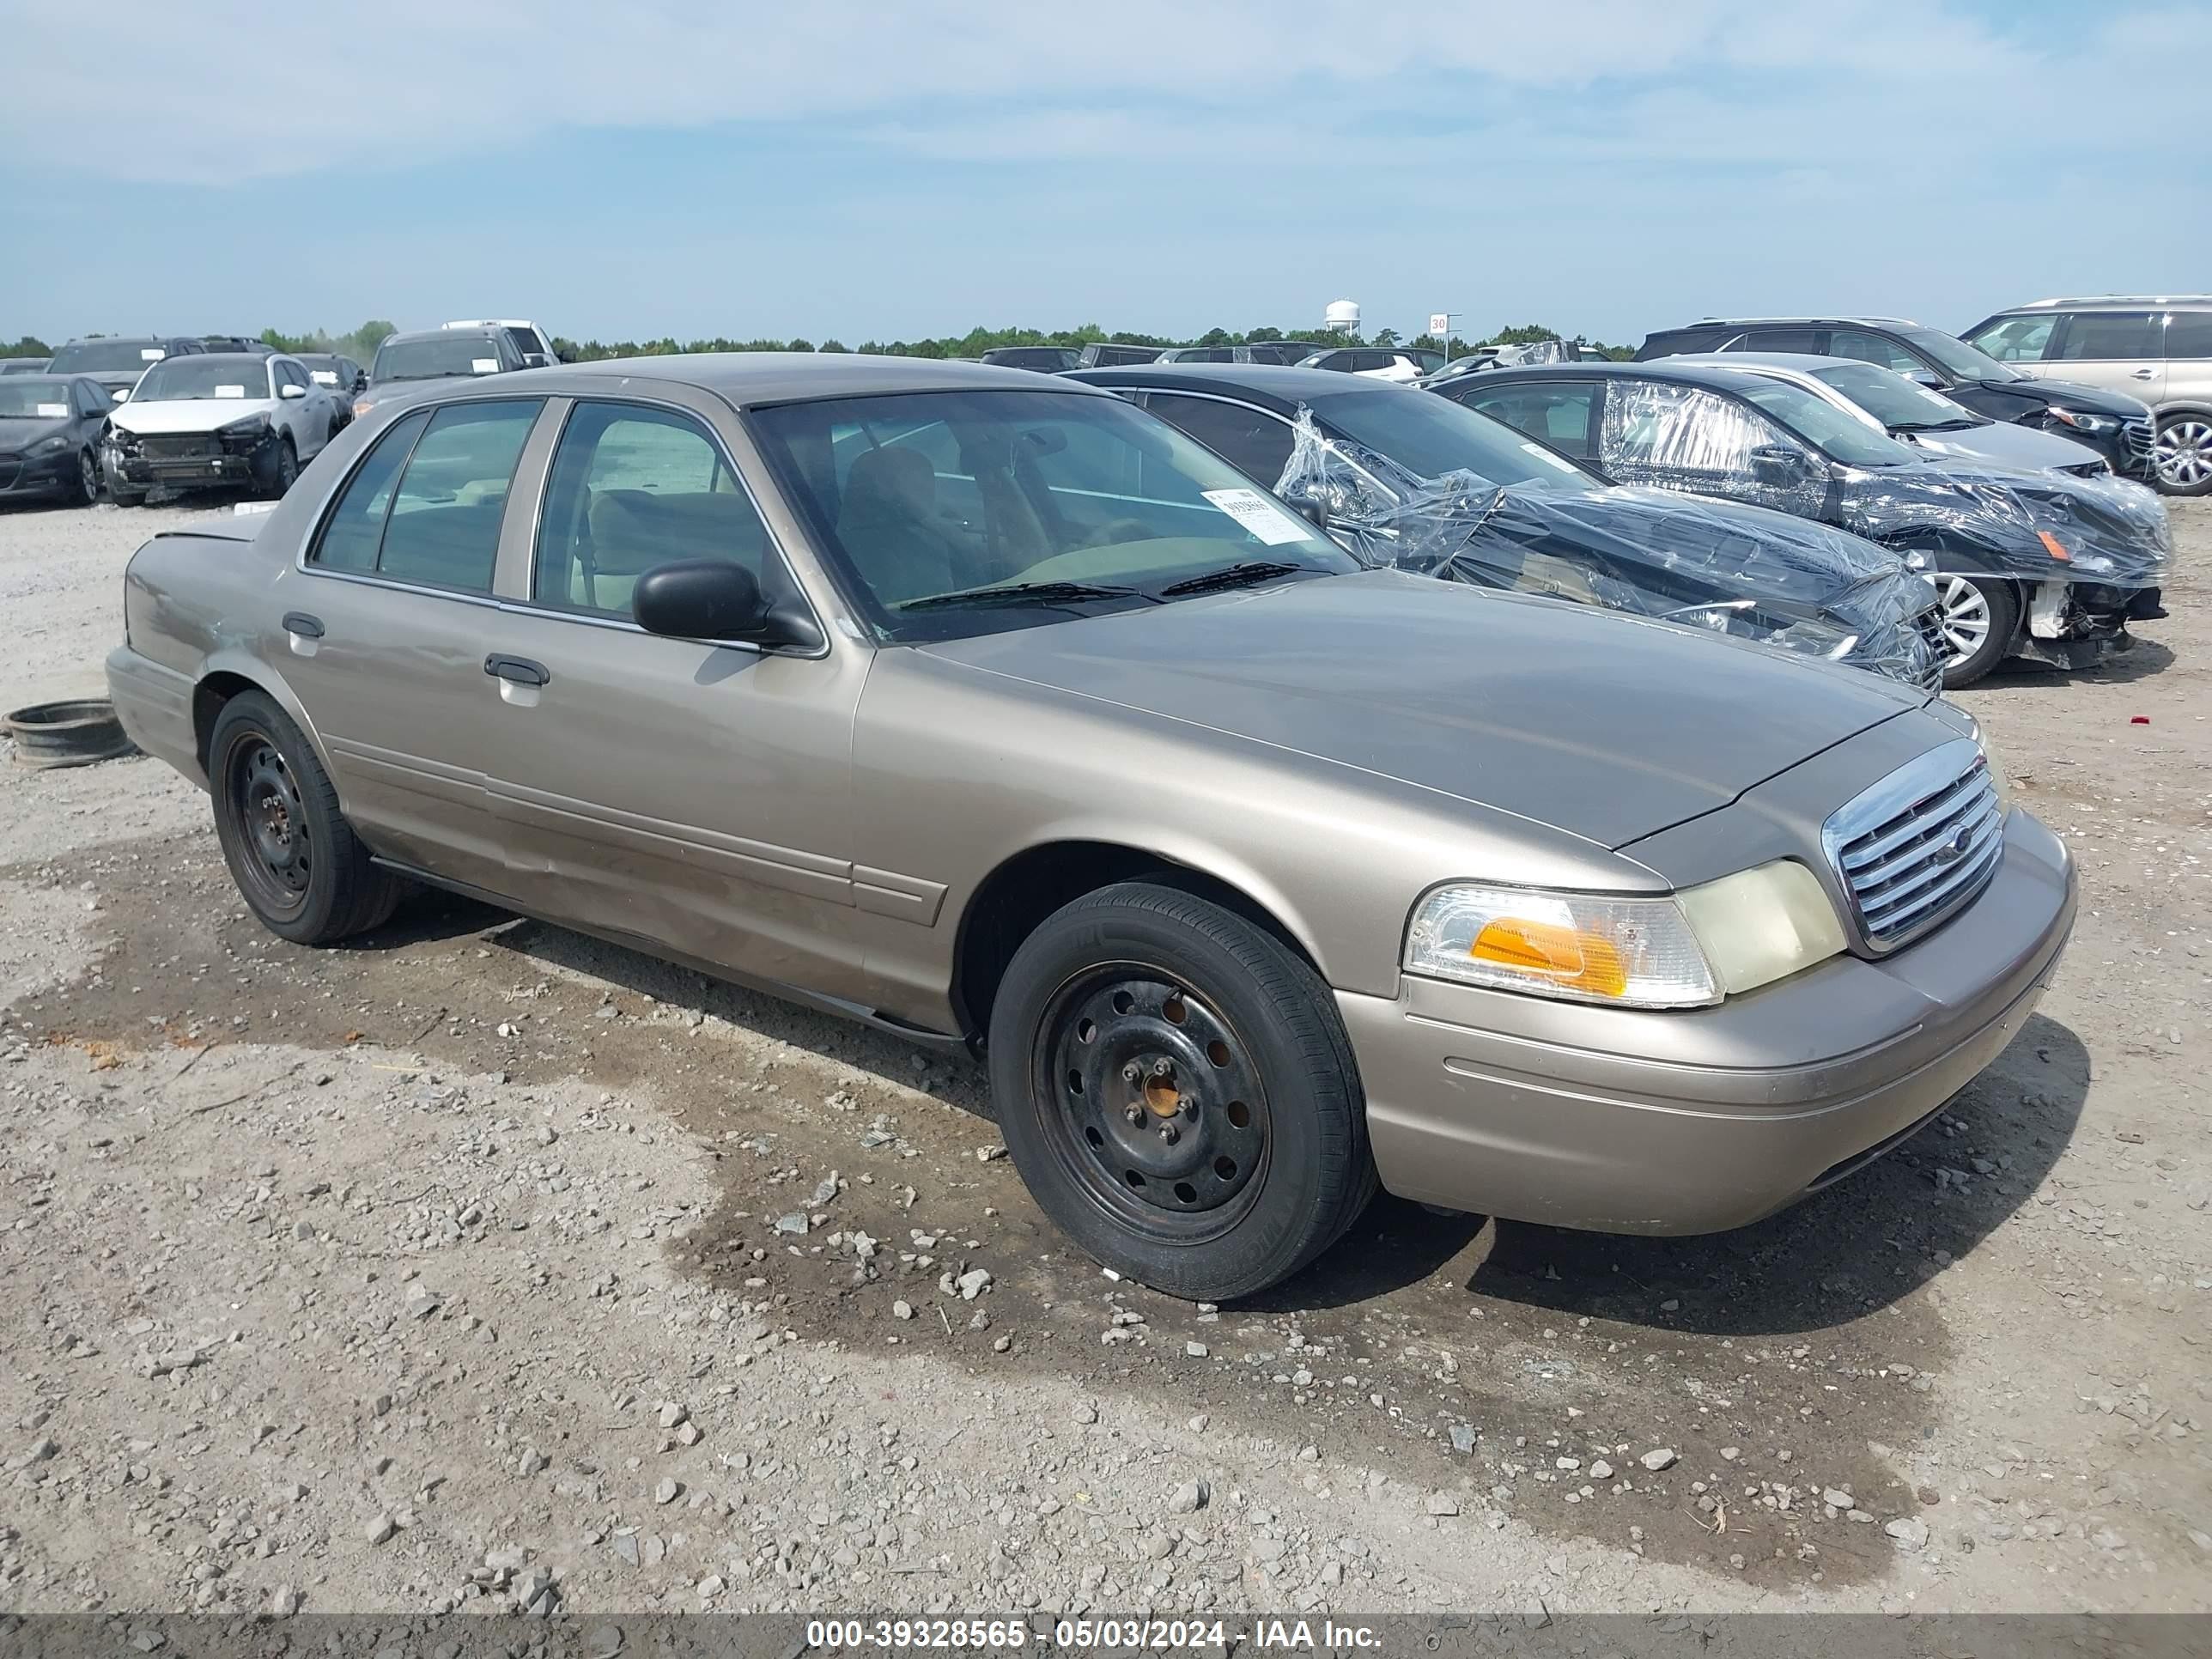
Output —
(213, 467)
(2131, 448)
(22, 476)
(1702, 1120)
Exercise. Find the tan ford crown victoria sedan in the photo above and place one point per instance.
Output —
(991, 710)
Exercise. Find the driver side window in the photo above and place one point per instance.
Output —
(632, 489)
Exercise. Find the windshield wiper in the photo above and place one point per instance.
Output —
(1242, 574)
(1023, 593)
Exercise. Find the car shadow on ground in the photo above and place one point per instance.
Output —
(2144, 659)
(1844, 1253)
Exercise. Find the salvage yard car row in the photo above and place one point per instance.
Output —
(1267, 847)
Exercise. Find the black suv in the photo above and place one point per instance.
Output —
(117, 360)
(2116, 426)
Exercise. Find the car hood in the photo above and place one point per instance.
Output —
(188, 414)
(2073, 394)
(2001, 443)
(21, 431)
(1604, 726)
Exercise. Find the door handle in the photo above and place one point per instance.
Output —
(516, 671)
(2142, 374)
(299, 622)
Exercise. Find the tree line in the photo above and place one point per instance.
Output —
(361, 342)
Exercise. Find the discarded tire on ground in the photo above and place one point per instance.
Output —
(73, 733)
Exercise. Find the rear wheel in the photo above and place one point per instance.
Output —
(2183, 457)
(1980, 616)
(1177, 1090)
(297, 862)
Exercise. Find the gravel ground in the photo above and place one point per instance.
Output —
(483, 1263)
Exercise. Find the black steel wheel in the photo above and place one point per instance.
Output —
(1176, 1086)
(1163, 1116)
(298, 865)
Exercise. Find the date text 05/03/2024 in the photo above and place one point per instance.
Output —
(1082, 1635)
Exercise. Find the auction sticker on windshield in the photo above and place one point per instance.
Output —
(152, 354)
(484, 365)
(230, 391)
(1271, 524)
(1549, 458)
(54, 411)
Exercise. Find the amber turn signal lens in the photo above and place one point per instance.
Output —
(2054, 547)
(1583, 962)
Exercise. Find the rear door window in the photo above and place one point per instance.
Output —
(440, 526)
(1251, 439)
(1558, 413)
(633, 488)
(1778, 339)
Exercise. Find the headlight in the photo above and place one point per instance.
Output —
(1684, 951)
(124, 440)
(251, 430)
(53, 446)
(1814, 637)
(2000, 779)
(2082, 421)
(361, 406)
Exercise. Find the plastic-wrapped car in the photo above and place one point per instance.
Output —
(2034, 565)
(1425, 484)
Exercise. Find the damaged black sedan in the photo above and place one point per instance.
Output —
(1404, 478)
(2028, 564)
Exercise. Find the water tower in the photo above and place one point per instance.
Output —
(1342, 316)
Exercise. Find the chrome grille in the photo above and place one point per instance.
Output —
(1917, 848)
(2140, 437)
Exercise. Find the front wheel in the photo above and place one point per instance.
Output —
(1980, 616)
(88, 480)
(1177, 1090)
(2183, 456)
(288, 470)
(297, 862)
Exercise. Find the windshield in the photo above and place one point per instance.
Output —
(1432, 436)
(1959, 360)
(1844, 437)
(435, 357)
(27, 397)
(105, 356)
(1896, 402)
(182, 379)
(922, 495)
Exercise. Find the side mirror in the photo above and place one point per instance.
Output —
(713, 599)
(1779, 465)
(1309, 505)
(122, 396)
(290, 391)
(536, 360)
(1929, 378)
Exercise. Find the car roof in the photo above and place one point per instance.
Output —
(1814, 322)
(2100, 302)
(1659, 368)
(1805, 362)
(1279, 387)
(253, 359)
(409, 336)
(761, 378)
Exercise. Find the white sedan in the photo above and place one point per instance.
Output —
(215, 420)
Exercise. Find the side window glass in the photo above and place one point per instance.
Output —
(2189, 334)
(1559, 414)
(443, 528)
(1657, 432)
(2017, 339)
(1779, 339)
(632, 489)
(1874, 348)
(2112, 337)
(1253, 441)
(355, 528)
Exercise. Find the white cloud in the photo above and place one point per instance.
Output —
(217, 93)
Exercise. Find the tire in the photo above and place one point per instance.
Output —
(1226, 1171)
(87, 492)
(2185, 454)
(297, 863)
(288, 470)
(1981, 615)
